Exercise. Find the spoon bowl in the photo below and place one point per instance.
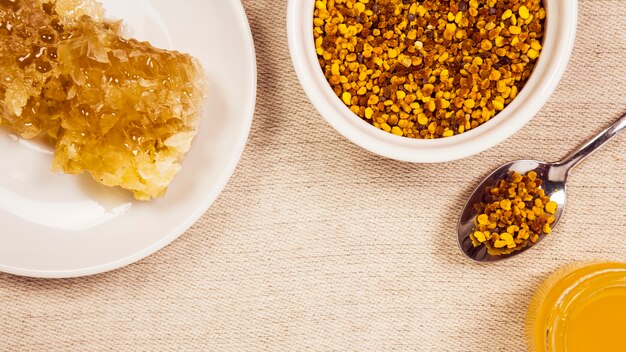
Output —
(553, 184)
(554, 177)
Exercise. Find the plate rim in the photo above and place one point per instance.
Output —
(204, 206)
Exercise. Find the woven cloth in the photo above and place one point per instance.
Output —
(319, 245)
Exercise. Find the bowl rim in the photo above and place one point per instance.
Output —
(561, 25)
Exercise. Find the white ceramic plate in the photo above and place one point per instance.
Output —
(56, 226)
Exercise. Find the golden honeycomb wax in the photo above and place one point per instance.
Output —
(29, 33)
(119, 109)
(580, 309)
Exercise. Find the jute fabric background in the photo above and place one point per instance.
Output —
(318, 245)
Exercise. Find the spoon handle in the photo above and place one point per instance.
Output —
(583, 152)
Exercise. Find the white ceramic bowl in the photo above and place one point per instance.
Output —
(557, 47)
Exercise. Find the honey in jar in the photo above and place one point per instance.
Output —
(581, 308)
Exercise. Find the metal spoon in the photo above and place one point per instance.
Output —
(554, 176)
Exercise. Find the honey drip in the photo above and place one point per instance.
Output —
(120, 109)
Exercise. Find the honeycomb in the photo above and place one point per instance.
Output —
(119, 109)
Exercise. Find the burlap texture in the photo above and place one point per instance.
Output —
(318, 245)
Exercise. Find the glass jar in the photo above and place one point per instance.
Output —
(580, 308)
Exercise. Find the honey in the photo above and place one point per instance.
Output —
(580, 309)
(119, 109)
